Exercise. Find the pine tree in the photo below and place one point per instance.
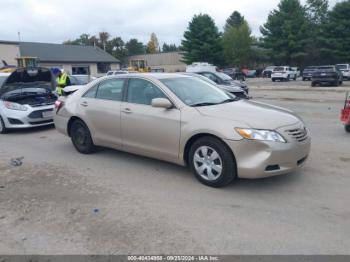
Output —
(235, 20)
(286, 33)
(201, 41)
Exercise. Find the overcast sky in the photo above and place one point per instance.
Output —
(55, 21)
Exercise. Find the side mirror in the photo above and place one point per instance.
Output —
(161, 103)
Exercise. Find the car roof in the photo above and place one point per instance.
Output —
(157, 76)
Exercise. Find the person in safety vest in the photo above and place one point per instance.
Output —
(62, 82)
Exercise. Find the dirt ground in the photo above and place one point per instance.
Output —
(61, 202)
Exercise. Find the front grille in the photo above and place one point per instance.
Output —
(299, 134)
(38, 113)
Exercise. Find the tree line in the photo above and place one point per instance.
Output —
(120, 49)
(294, 34)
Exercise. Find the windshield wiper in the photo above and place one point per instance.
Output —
(229, 100)
(203, 104)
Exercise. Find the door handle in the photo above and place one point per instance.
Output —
(126, 110)
(85, 104)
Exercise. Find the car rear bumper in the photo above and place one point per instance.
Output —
(324, 79)
(258, 159)
(61, 124)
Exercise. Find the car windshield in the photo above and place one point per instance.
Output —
(278, 69)
(2, 80)
(342, 66)
(196, 92)
(326, 68)
(223, 76)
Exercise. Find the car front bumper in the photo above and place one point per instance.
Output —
(33, 117)
(258, 159)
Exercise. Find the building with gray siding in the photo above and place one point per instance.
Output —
(74, 59)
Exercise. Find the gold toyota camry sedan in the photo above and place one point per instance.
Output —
(184, 120)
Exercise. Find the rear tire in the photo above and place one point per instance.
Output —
(304, 79)
(212, 162)
(295, 78)
(313, 83)
(336, 83)
(347, 128)
(3, 129)
(273, 80)
(81, 138)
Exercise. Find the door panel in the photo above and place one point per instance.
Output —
(100, 109)
(151, 131)
(148, 130)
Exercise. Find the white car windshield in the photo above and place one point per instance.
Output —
(196, 92)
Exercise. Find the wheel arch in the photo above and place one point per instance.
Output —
(70, 122)
(194, 138)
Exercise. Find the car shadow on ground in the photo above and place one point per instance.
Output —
(170, 169)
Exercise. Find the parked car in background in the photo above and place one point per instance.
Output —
(345, 69)
(328, 74)
(27, 99)
(297, 70)
(234, 73)
(268, 71)
(283, 73)
(236, 90)
(307, 73)
(200, 67)
(250, 73)
(223, 79)
(117, 72)
(184, 120)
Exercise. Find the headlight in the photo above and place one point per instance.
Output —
(256, 134)
(15, 106)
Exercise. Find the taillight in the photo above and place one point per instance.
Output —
(58, 105)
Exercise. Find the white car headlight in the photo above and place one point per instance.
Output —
(15, 106)
(256, 134)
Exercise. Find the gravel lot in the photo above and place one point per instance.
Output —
(62, 202)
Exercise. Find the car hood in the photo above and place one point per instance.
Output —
(28, 78)
(251, 113)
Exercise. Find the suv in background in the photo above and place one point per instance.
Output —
(283, 73)
(328, 74)
(234, 73)
(307, 73)
(345, 70)
(268, 71)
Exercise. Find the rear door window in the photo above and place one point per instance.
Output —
(111, 89)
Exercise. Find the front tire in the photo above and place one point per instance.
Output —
(81, 138)
(212, 162)
(3, 129)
